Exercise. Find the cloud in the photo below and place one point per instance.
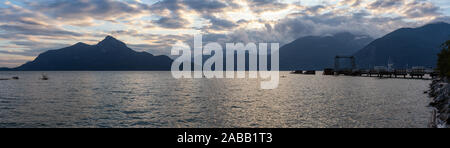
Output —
(385, 4)
(79, 10)
(17, 20)
(417, 9)
(259, 6)
(218, 23)
(172, 22)
(352, 3)
(12, 60)
(170, 14)
(37, 30)
(205, 5)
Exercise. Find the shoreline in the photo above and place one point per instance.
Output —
(440, 94)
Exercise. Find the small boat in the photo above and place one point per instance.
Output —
(297, 72)
(44, 77)
(310, 72)
(15, 78)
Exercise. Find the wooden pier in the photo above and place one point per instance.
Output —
(388, 71)
(395, 74)
(400, 73)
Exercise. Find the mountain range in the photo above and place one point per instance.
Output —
(318, 52)
(405, 47)
(109, 54)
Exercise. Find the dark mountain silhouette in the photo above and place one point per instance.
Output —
(406, 47)
(317, 53)
(4, 69)
(109, 54)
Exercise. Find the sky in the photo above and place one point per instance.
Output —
(30, 27)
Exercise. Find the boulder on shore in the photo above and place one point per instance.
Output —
(440, 92)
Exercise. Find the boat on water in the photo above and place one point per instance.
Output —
(44, 77)
(13, 78)
(297, 72)
(310, 72)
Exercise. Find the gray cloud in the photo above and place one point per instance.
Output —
(385, 4)
(205, 5)
(172, 22)
(176, 19)
(39, 47)
(259, 6)
(36, 30)
(17, 22)
(83, 9)
(218, 23)
(417, 9)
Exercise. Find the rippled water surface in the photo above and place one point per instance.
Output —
(155, 99)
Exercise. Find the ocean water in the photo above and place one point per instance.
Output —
(155, 99)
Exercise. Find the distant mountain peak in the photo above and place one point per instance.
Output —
(111, 42)
(81, 44)
(110, 38)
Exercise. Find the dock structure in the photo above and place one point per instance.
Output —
(418, 72)
(400, 72)
(434, 74)
(379, 71)
(338, 70)
(372, 72)
(328, 71)
(415, 73)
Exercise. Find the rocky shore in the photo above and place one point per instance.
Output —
(440, 92)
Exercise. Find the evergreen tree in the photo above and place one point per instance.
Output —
(444, 60)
